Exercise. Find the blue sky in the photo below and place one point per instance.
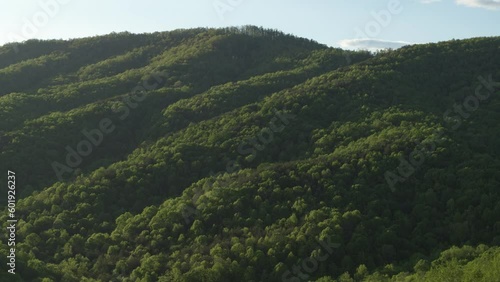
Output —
(368, 24)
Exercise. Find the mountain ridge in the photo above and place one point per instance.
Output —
(204, 179)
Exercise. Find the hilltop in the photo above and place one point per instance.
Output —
(247, 154)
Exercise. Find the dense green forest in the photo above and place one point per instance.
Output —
(247, 154)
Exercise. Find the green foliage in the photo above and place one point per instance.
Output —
(253, 156)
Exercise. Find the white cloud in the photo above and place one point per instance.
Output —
(488, 4)
(429, 1)
(371, 44)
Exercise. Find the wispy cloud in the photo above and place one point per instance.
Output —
(371, 44)
(488, 4)
(428, 1)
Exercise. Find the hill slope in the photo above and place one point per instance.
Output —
(247, 154)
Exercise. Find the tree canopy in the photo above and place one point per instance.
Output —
(247, 154)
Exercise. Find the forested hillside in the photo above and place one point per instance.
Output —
(246, 154)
